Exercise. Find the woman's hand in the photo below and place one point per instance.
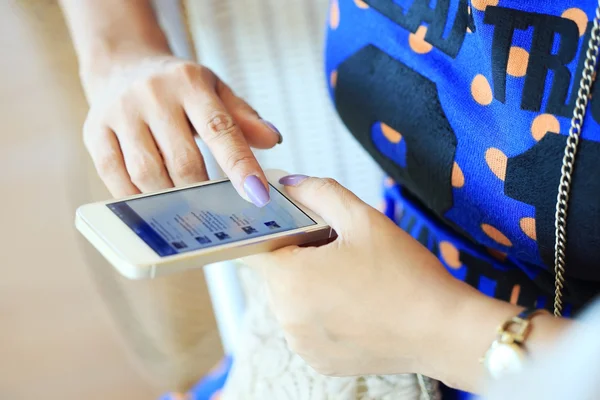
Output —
(375, 301)
(144, 114)
(365, 303)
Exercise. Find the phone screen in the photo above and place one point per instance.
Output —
(206, 216)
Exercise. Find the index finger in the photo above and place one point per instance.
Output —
(218, 130)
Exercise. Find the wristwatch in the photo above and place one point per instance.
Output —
(507, 353)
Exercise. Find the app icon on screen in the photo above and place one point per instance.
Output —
(249, 230)
(179, 245)
(222, 236)
(272, 225)
(203, 240)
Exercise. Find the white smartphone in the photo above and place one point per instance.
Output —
(148, 235)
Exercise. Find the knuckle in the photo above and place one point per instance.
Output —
(233, 100)
(223, 89)
(121, 104)
(89, 124)
(123, 110)
(345, 197)
(206, 75)
(187, 164)
(89, 133)
(241, 105)
(142, 169)
(247, 108)
(239, 160)
(194, 75)
(220, 125)
(327, 184)
(107, 164)
(331, 183)
(152, 90)
(95, 121)
(188, 71)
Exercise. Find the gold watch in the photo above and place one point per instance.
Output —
(507, 353)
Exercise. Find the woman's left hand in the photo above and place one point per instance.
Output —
(371, 302)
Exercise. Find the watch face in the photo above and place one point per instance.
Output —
(503, 359)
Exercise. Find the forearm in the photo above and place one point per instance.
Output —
(109, 30)
(467, 332)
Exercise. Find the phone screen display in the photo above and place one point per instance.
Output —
(206, 216)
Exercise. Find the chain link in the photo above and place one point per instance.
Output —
(568, 162)
(564, 187)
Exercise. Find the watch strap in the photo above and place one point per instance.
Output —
(516, 329)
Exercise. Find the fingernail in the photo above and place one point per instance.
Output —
(256, 191)
(292, 180)
(272, 127)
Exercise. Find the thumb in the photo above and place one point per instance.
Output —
(258, 132)
(334, 203)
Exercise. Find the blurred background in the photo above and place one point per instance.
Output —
(57, 340)
(71, 328)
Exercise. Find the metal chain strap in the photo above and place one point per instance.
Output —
(564, 187)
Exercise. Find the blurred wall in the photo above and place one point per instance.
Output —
(56, 338)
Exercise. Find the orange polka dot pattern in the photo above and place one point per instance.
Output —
(389, 182)
(578, 16)
(498, 255)
(518, 59)
(481, 90)
(390, 134)
(496, 123)
(528, 226)
(481, 5)
(417, 41)
(496, 235)
(361, 4)
(450, 255)
(543, 124)
(334, 14)
(496, 161)
(514, 296)
(458, 179)
(333, 79)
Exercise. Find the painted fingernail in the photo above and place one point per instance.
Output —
(256, 191)
(272, 127)
(292, 180)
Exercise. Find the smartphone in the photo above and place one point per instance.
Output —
(148, 235)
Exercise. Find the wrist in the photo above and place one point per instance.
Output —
(104, 56)
(545, 329)
(466, 331)
(469, 330)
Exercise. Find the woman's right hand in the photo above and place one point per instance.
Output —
(143, 118)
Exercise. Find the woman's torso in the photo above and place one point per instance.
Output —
(467, 106)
